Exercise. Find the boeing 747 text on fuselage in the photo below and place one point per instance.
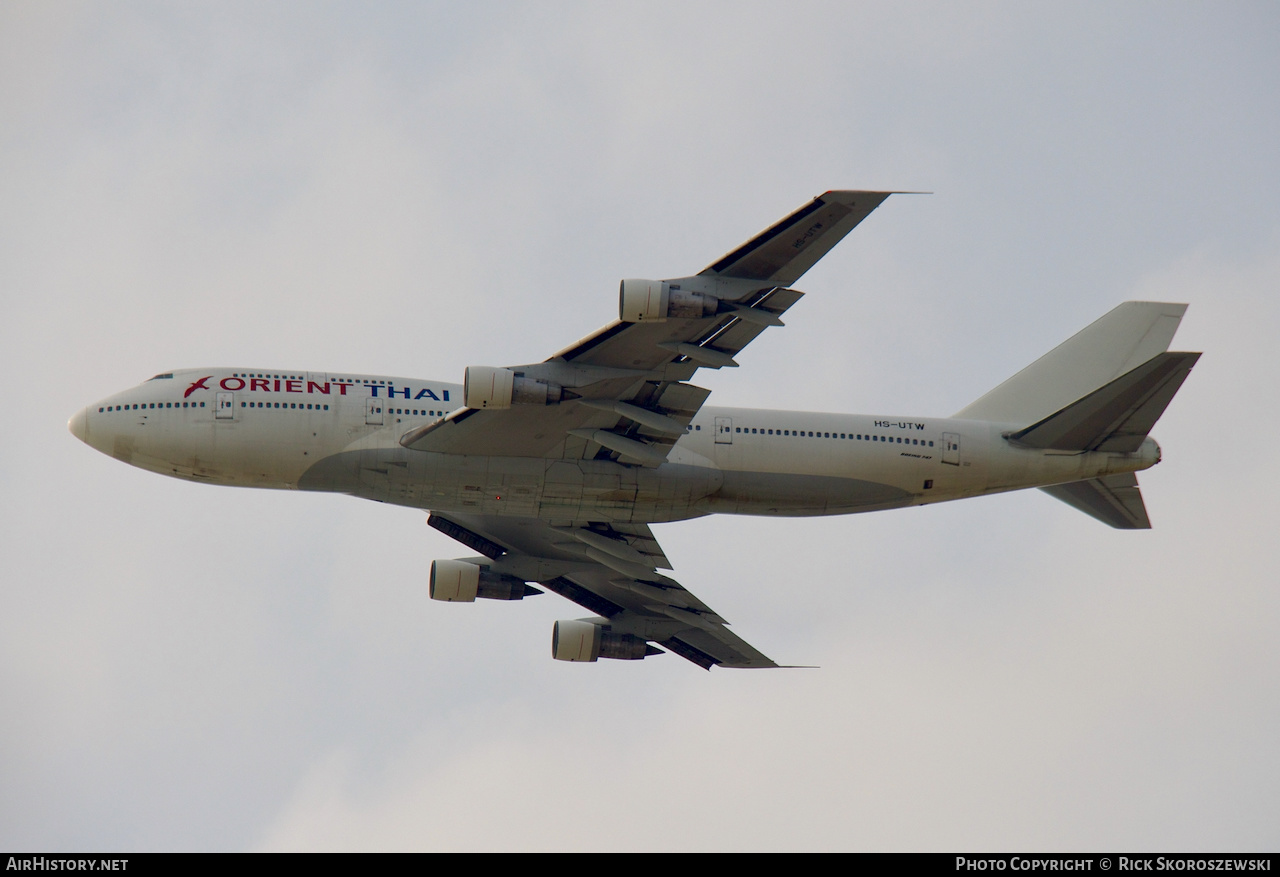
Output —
(552, 472)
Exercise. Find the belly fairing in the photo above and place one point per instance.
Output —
(768, 493)
(520, 486)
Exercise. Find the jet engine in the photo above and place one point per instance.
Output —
(487, 387)
(587, 641)
(459, 581)
(652, 301)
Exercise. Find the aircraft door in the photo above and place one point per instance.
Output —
(226, 406)
(951, 448)
(724, 430)
(373, 411)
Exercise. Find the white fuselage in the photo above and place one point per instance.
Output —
(310, 431)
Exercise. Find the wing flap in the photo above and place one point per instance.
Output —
(737, 334)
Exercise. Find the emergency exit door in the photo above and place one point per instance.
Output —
(724, 430)
(226, 406)
(951, 448)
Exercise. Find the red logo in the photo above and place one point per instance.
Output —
(198, 385)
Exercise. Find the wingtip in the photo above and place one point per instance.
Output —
(885, 192)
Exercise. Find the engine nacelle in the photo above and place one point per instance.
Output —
(585, 641)
(488, 387)
(652, 301)
(454, 581)
(459, 581)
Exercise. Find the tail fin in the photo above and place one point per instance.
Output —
(1103, 389)
(1115, 418)
(1108, 348)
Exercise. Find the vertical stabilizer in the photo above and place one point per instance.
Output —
(1111, 346)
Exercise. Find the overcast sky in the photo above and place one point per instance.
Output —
(408, 189)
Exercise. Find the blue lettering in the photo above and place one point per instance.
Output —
(427, 394)
(373, 387)
(391, 392)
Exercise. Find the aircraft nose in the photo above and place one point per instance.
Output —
(79, 424)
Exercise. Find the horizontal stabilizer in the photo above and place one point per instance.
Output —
(1116, 417)
(1115, 500)
(1116, 343)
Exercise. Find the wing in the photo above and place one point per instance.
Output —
(623, 392)
(611, 570)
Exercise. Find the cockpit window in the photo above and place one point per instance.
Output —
(161, 377)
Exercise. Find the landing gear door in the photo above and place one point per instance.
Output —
(724, 430)
(226, 406)
(951, 448)
(373, 411)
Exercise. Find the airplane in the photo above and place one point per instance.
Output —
(553, 472)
